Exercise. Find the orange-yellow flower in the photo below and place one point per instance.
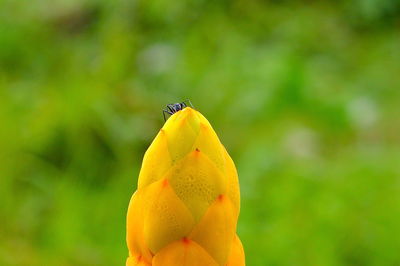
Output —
(185, 210)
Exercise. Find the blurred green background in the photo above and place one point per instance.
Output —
(305, 95)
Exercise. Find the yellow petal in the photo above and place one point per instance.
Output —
(197, 182)
(134, 227)
(156, 161)
(183, 253)
(181, 130)
(203, 120)
(136, 261)
(166, 218)
(216, 230)
(236, 257)
(208, 142)
(232, 182)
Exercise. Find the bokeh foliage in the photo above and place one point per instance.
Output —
(305, 95)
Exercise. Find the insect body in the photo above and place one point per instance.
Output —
(172, 108)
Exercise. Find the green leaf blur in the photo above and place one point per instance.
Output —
(305, 95)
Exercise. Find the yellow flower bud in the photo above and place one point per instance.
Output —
(185, 209)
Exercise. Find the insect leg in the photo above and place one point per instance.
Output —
(190, 103)
(166, 112)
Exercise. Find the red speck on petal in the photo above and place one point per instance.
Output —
(220, 197)
(186, 240)
(196, 153)
(203, 126)
(165, 183)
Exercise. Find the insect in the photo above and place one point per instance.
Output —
(172, 108)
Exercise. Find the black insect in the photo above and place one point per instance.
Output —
(172, 108)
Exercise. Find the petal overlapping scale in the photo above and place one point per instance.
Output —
(236, 256)
(186, 207)
(184, 253)
(197, 182)
(136, 261)
(216, 230)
